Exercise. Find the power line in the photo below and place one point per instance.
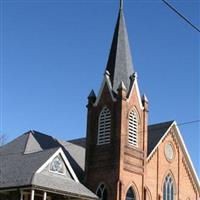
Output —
(190, 122)
(180, 15)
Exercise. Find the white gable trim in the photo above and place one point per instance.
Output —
(135, 85)
(188, 158)
(59, 151)
(183, 148)
(107, 81)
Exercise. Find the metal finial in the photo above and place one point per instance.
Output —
(121, 4)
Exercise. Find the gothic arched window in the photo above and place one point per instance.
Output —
(168, 188)
(133, 129)
(102, 192)
(104, 127)
(130, 195)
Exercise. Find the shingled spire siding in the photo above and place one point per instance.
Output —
(119, 63)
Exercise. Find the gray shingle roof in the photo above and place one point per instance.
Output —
(21, 158)
(31, 141)
(17, 169)
(67, 185)
(119, 63)
(75, 153)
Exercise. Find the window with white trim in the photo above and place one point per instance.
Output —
(168, 188)
(133, 129)
(102, 192)
(104, 127)
(57, 165)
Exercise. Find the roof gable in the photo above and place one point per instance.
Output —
(183, 147)
(106, 82)
(60, 153)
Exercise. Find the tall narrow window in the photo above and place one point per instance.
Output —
(168, 189)
(102, 192)
(130, 195)
(133, 129)
(104, 127)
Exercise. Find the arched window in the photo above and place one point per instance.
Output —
(168, 188)
(133, 129)
(130, 195)
(102, 192)
(104, 127)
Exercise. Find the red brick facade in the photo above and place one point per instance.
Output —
(120, 166)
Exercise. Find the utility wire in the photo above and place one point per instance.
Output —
(179, 124)
(190, 122)
(180, 15)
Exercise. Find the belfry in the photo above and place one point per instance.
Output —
(117, 124)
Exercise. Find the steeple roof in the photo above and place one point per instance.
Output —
(119, 63)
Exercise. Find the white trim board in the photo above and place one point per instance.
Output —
(106, 80)
(135, 85)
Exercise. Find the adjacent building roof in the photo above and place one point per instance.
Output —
(66, 186)
(17, 169)
(21, 158)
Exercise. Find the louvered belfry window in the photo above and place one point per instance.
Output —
(104, 127)
(133, 129)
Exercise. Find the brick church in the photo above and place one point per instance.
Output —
(121, 158)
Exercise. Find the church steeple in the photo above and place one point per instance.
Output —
(116, 142)
(119, 63)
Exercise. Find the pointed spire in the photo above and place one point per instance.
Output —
(119, 63)
(122, 86)
(92, 94)
(91, 98)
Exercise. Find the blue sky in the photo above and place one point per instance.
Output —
(54, 52)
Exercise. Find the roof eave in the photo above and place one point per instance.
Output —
(63, 192)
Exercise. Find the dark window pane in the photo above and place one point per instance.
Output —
(102, 192)
(168, 189)
(105, 194)
(130, 195)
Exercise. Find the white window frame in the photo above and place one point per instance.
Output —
(102, 190)
(57, 172)
(104, 127)
(133, 127)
